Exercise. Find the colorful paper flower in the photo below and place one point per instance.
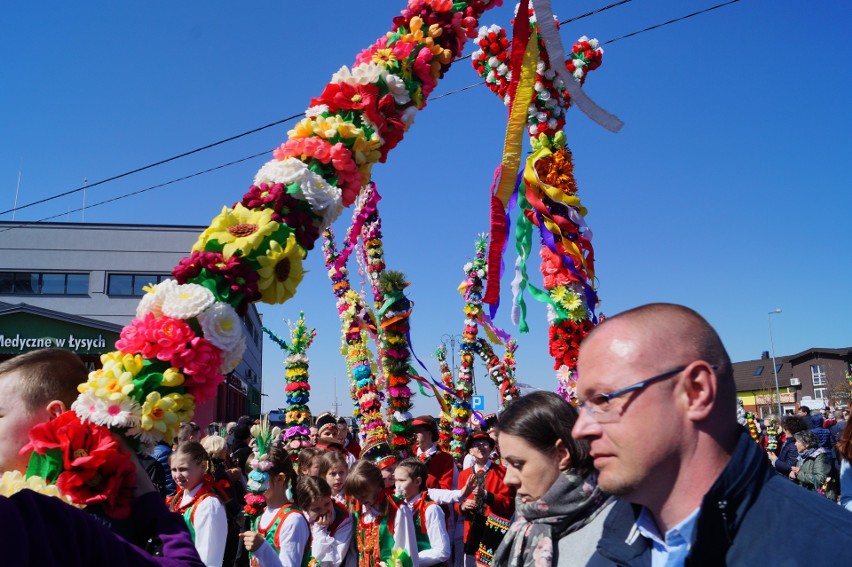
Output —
(238, 230)
(280, 271)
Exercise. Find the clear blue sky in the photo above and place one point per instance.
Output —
(728, 189)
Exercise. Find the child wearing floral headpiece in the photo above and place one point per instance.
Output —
(199, 502)
(280, 536)
(384, 530)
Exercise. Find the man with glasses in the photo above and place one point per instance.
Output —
(658, 408)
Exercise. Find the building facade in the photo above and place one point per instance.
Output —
(75, 286)
(816, 378)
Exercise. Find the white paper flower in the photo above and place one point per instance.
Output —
(221, 325)
(286, 171)
(121, 413)
(152, 302)
(408, 116)
(231, 358)
(86, 405)
(367, 73)
(316, 110)
(397, 89)
(187, 301)
(325, 199)
(297, 358)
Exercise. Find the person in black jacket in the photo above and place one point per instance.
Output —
(787, 457)
(658, 408)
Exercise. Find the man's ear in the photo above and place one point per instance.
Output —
(563, 457)
(55, 408)
(701, 387)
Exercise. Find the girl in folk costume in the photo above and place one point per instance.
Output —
(309, 461)
(331, 523)
(333, 469)
(384, 530)
(378, 452)
(433, 543)
(488, 510)
(280, 536)
(199, 500)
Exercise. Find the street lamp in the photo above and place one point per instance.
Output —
(453, 340)
(774, 366)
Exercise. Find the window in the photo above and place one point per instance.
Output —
(820, 393)
(778, 368)
(132, 284)
(818, 374)
(43, 283)
(758, 371)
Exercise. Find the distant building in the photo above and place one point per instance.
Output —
(76, 286)
(815, 377)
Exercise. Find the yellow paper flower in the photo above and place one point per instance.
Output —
(12, 482)
(280, 271)
(238, 230)
(158, 414)
(172, 377)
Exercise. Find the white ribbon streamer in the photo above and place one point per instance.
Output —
(556, 53)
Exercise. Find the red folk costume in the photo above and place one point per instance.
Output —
(496, 507)
(441, 468)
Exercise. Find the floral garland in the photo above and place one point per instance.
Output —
(258, 478)
(298, 415)
(752, 427)
(395, 314)
(548, 199)
(546, 115)
(445, 424)
(471, 290)
(84, 462)
(187, 332)
(501, 371)
(354, 318)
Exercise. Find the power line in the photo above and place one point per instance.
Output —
(149, 166)
(710, 9)
(145, 190)
(293, 117)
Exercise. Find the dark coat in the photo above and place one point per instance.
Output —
(787, 456)
(747, 503)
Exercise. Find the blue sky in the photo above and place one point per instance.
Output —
(728, 189)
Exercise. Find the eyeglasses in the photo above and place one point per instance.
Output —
(598, 407)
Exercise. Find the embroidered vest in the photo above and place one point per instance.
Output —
(374, 541)
(270, 534)
(206, 491)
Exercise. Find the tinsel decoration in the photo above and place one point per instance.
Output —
(445, 424)
(297, 390)
(354, 319)
(258, 478)
(548, 198)
(501, 371)
(471, 290)
(395, 314)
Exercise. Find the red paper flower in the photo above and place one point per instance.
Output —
(95, 468)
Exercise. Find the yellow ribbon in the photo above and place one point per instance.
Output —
(517, 123)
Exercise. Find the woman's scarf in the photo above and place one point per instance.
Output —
(571, 502)
(812, 452)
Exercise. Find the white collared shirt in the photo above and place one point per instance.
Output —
(437, 532)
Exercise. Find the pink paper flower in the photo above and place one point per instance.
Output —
(162, 338)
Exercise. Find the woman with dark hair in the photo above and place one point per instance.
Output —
(787, 457)
(559, 509)
(844, 454)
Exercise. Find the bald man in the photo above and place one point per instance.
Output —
(658, 408)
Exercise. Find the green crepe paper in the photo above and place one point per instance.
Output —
(523, 245)
(220, 289)
(47, 466)
(544, 297)
(144, 383)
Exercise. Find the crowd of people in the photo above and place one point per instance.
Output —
(651, 467)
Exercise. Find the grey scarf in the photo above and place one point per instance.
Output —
(572, 502)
